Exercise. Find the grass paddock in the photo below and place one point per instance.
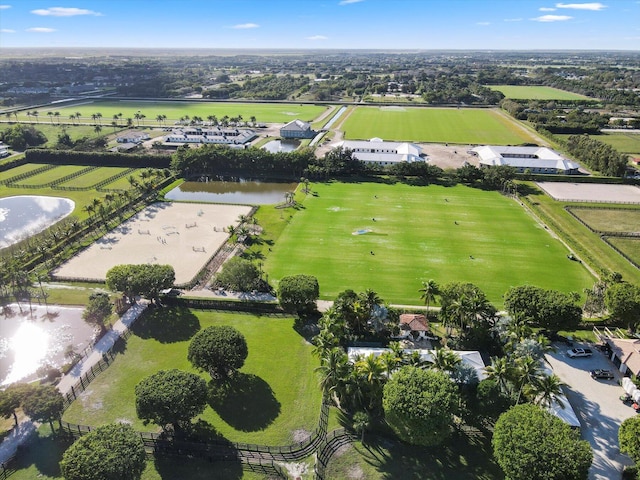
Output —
(438, 125)
(275, 395)
(415, 233)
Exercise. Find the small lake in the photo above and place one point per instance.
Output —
(34, 337)
(239, 191)
(26, 215)
(276, 146)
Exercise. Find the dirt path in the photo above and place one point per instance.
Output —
(532, 133)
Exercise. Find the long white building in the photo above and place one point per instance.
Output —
(222, 136)
(382, 153)
(535, 159)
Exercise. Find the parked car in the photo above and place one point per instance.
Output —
(579, 352)
(602, 374)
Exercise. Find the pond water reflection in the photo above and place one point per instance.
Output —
(26, 215)
(32, 337)
(239, 191)
(275, 146)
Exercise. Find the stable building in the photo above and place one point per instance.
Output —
(377, 151)
(537, 160)
(297, 129)
(216, 135)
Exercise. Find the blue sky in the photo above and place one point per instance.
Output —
(331, 24)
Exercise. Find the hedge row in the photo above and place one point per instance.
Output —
(99, 159)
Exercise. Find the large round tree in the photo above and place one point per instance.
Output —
(219, 350)
(629, 438)
(529, 442)
(43, 403)
(171, 397)
(419, 405)
(110, 452)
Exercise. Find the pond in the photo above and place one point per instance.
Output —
(26, 215)
(37, 336)
(235, 191)
(275, 146)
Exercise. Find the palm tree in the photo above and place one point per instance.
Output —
(93, 117)
(57, 115)
(253, 120)
(415, 360)
(50, 115)
(500, 370)
(8, 115)
(97, 129)
(527, 372)
(35, 113)
(445, 360)
(78, 116)
(129, 122)
(333, 370)
(99, 117)
(428, 292)
(114, 124)
(213, 119)
(73, 117)
(546, 390)
(390, 362)
(159, 119)
(371, 368)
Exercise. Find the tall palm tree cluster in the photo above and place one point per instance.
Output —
(519, 373)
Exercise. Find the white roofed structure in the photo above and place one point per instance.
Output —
(382, 153)
(297, 129)
(471, 358)
(535, 159)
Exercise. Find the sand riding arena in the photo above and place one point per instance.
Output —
(183, 235)
(591, 192)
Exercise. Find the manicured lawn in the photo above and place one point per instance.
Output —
(623, 142)
(51, 131)
(264, 112)
(276, 391)
(438, 125)
(13, 172)
(419, 233)
(608, 220)
(380, 459)
(588, 245)
(42, 457)
(536, 92)
(629, 245)
(94, 176)
(51, 175)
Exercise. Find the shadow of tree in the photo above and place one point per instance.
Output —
(167, 325)
(462, 457)
(245, 401)
(44, 453)
(186, 468)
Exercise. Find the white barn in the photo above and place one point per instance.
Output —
(535, 159)
(382, 153)
(297, 129)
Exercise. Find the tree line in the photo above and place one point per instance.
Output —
(597, 155)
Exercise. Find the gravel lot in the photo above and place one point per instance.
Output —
(591, 192)
(597, 406)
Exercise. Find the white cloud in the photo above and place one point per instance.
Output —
(547, 9)
(483, 24)
(245, 26)
(4, 7)
(552, 18)
(64, 12)
(349, 2)
(317, 37)
(513, 19)
(582, 6)
(7, 30)
(41, 29)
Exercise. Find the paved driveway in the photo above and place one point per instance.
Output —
(597, 406)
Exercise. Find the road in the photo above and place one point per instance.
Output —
(597, 406)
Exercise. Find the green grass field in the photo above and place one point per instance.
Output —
(536, 92)
(587, 244)
(630, 246)
(42, 458)
(277, 390)
(414, 237)
(264, 112)
(609, 220)
(382, 458)
(437, 125)
(95, 176)
(51, 131)
(81, 198)
(623, 142)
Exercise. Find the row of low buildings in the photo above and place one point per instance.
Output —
(213, 135)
